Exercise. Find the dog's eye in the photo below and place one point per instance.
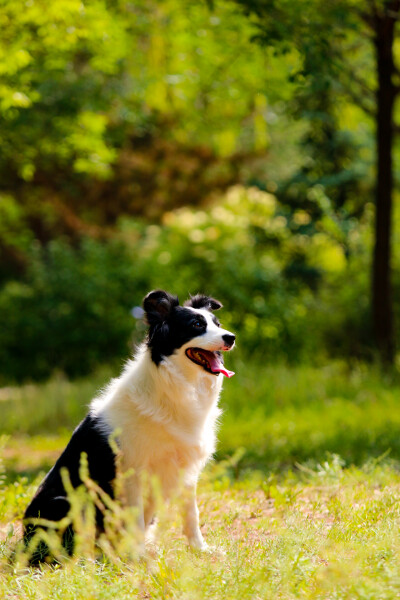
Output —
(198, 324)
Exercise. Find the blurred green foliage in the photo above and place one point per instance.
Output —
(59, 62)
(119, 108)
(79, 79)
(70, 312)
(148, 145)
(286, 292)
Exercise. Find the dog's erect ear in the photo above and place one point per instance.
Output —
(158, 305)
(202, 301)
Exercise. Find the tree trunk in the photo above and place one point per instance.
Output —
(381, 280)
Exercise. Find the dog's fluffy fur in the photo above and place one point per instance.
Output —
(164, 410)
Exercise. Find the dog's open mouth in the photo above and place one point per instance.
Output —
(210, 361)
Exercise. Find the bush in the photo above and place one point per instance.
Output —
(243, 252)
(71, 312)
(288, 289)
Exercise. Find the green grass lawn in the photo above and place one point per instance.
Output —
(303, 498)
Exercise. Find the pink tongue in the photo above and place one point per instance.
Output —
(217, 366)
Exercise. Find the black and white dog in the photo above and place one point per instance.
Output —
(164, 409)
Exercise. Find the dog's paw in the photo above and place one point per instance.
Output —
(152, 549)
(201, 546)
(197, 543)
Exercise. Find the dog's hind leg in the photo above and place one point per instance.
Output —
(134, 500)
(54, 510)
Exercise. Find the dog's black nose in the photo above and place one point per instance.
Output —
(229, 339)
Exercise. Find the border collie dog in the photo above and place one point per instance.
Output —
(163, 410)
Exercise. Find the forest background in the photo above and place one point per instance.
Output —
(245, 149)
(192, 147)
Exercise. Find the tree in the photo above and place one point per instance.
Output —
(119, 108)
(60, 64)
(347, 47)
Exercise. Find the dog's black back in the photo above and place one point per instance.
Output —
(50, 501)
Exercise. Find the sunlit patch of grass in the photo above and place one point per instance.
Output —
(322, 531)
(31, 455)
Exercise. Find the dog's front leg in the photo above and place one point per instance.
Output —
(191, 520)
(134, 501)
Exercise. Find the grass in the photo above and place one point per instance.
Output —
(327, 532)
(279, 415)
(303, 499)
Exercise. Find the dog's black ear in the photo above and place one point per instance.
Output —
(202, 301)
(158, 305)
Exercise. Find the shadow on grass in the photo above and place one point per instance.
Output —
(354, 447)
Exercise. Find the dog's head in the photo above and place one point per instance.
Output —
(190, 332)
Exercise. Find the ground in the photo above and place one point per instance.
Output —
(327, 532)
(302, 500)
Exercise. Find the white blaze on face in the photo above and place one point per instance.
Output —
(212, 339)
(204, 349)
